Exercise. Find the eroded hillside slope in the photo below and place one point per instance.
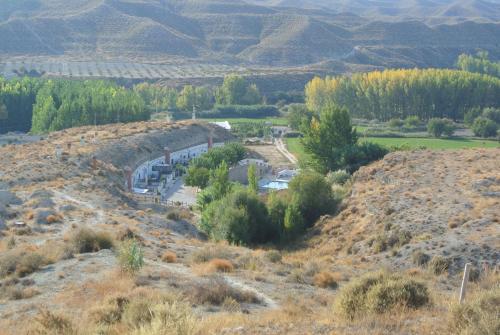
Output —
(437, 203)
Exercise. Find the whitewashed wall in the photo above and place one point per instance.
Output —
(181, 156)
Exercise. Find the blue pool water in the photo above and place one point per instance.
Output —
(276, 185)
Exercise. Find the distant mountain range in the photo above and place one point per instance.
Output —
(425, 9)
(252, 32)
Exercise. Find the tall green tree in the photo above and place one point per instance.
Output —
(4, 114)
(390, 94)
(326, 136)
(235, 90)
(253, 181)
(219, 181)
(187, 98)
(313, 195)
(479, 64)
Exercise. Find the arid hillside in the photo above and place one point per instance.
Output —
(121, 38)
(438, 203)
(66, 223)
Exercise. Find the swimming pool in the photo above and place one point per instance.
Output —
(276, 185)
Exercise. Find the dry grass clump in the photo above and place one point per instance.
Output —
(127, 234)
(169, 257)
(55, 251)
(206, 254)
(326, 279)
(397, 238)
(87, 241)
(49, 323)
(304, 273)
(479, 315)
(221, 265)
(273, 256)
(142, 309)
(420, 258)
(169, 318)
(216, 290)
(230, 305)
(14, 289)
(439, 265)
(20, 263)
(179, 214)
(250, 261)
(377, 293)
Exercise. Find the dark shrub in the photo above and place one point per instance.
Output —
(313, 195)
(361, 154)
(412, 122)
(493, 114)
(438, 127)
(484, 127)
(241, 218)
(396, 123)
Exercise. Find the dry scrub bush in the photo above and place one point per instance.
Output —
(249, 261)
(87, 241)
(169, 257)
(385, 241)
(178, 214)
(420, 258)
(49, 323)
(479, 315)
(127, 234)
(221, 265)
(131, 310)
(326, 279)
(169, 318)
(54, 218)
(379, 293)
(231, 305)
(147, 312)
(20, 263)
(273, 256)
(206, 254)
(439, 265)
(17, 293)
(216, 290)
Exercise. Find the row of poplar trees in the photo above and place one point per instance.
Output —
(389, 94)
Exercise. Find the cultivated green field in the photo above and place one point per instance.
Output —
(295, 147)
(433, 143)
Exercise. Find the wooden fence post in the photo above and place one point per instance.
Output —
(465, 279)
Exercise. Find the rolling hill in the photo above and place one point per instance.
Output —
(275, 33)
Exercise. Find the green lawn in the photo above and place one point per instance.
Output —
(276, 121)
(296, 148)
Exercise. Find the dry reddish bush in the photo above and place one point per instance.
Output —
(326, 279)
(221, 265)
(169, 257)
(54, 218)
